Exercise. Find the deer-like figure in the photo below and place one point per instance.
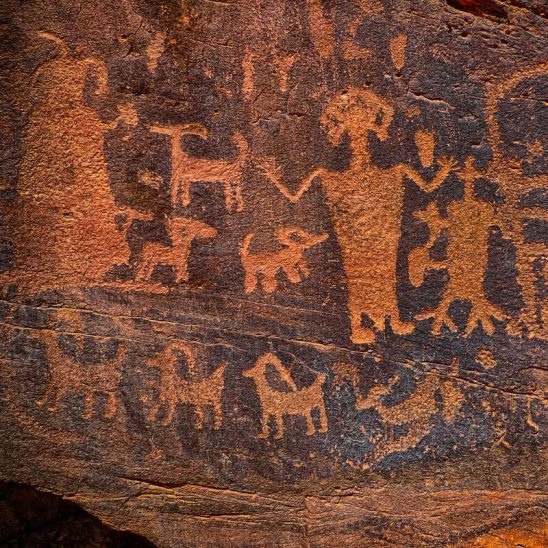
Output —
(263, 267)
(187, 169)
(416, 412)
(65, 375)
(174, 390)
(277, 404)
(182, 232)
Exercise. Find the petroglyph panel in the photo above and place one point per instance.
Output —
(274, 272)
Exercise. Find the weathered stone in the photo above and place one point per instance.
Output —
(273, 272)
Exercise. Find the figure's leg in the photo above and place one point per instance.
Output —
(154, 411)
(228, 196)
(303, 267)
(51, 390)
(217, 415)
(400, 327)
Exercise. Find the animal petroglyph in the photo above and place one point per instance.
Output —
(66, 376)
(173, 390)
(515, 185)
(186, 169)
(182, 232)
(263, 267)
(468, 223)
(416, 412)
(277, 404)
(366, 207)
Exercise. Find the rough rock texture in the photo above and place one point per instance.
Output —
(273, 271)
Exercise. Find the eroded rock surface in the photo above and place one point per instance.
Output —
(273, 272)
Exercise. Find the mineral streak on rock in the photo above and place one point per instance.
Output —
(274, 272)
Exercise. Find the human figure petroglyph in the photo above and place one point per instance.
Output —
(182, 232)
(366, 206)
(173, 390)
(262, 268)
(515, 185)
(186, 169)
(277, 404)
(468, 224)
(65, 375)
(62, 147)
(416, 412)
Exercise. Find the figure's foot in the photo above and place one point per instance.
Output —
(363, 335)
(401, 328)
(482, 314)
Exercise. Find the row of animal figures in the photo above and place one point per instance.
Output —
(416, 412)
(366, 204)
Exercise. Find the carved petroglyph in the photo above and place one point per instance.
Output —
(262, 268)
(64, 201)
(182, 232)
(277, 404)
(155, 49)
(67, 376)
(366, 206)
(467, 221)
(186, 169)
(321, 29)
(515, 185)
(173, 390)
(415, 413)
(398, 46)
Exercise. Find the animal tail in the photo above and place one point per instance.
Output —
(245, 245)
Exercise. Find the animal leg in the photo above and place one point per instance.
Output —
(88, 405)
(228, 196)
(310, 430)
(238, 196)
(250, 281)
(323, 418)
(279, 426)
(110, 410)
(293, 274)
(264, 424)
(153, 413)
(199, 416)
(302, 266)
(217, 415)
(170, 412)
(269, 282)
(51, 391)
(186, 192)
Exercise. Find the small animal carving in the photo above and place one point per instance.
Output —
(182, 232)
(277, 404)
(174, 390)
(186, 169)
(416, 412)
(65, 376)
(290, 260)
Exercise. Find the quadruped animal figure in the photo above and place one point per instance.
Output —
(277, 404)
(186, 169)
(182, 232)
(173, 390)
(92, 379)
(262, 268)
(416, 412)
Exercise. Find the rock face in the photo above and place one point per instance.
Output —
(273, 271)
